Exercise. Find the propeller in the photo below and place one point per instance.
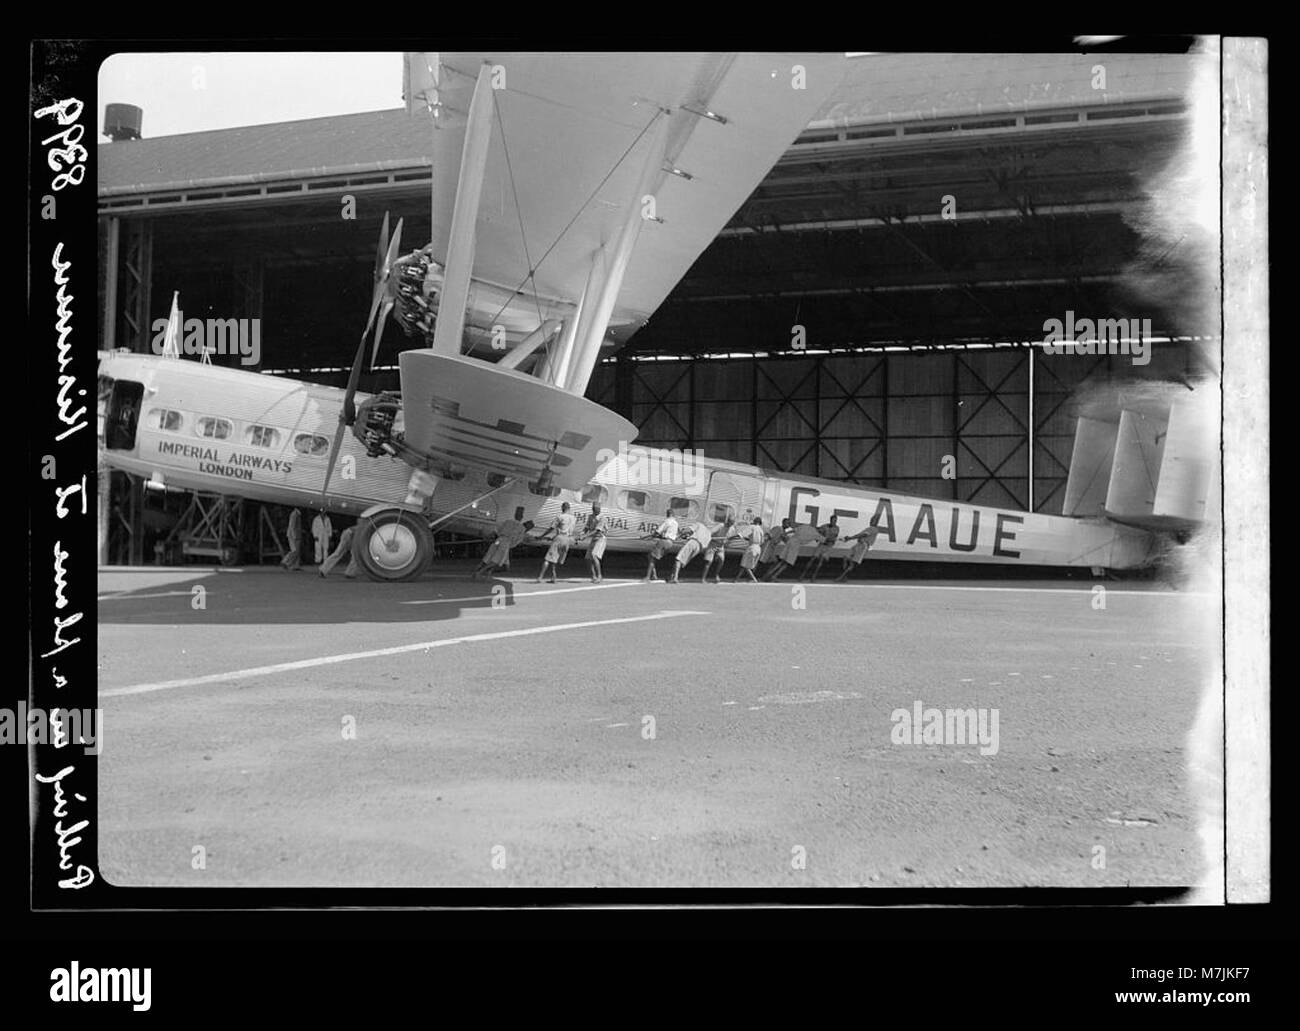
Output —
(384, 289)
(381, 295)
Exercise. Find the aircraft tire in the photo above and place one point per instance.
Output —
(392, 545)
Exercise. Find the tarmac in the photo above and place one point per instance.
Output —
(449, 732)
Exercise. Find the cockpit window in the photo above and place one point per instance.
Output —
(105, 384)
(123, 415)
(211, 426)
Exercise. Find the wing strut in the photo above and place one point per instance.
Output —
(596, 315)
(556, 367)
(460, 245)
(529, 344)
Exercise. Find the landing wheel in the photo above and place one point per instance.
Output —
(392, 545)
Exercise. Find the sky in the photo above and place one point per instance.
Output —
(196, 92)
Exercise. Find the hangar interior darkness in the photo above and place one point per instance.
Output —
(920, 231)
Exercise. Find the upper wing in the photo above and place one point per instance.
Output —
(568, 143)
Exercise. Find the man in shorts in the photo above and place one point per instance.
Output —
(662, 537)
(697, 539)
(772, 542)
(795, 540)
(716, 551)
(753, 536)
(830, 534)
(595, 530)
(862, 543)
(562, 528)
(509, 533)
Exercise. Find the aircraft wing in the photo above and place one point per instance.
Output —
(464, 413)
(569, 138)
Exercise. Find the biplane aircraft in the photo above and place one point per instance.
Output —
(570, 194)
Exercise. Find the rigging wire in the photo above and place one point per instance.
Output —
(599, 186)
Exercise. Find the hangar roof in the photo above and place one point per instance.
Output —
(1049, 181)
(877, 88)
(910, 87)
(368, 141)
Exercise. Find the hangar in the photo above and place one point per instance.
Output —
(877, 303)
(876, 312)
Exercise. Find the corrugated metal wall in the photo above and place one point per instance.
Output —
(880, 419)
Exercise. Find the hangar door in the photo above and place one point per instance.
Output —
(734, 494)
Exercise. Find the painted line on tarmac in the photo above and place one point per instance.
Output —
(127, 595)
(173, 569)
(328, 660)
(525, 594)
(953, 587)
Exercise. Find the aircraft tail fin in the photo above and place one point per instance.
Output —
(172, 338)
(1149, 466)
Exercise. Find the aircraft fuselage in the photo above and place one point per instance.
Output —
(266, 438)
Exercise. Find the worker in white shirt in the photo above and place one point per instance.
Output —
(773, 541)
(753, 537)
(662, 537)
(716, 551)
(697, 538)
(562, 531)
(344, 547)
(293, 557)
(509, 533)
(830, 532)
(595, 530)
(322, 530)
(796, 538)
(862, 544)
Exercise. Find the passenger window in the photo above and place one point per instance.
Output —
(721, 513)
(217, 429)
(595, 494)
(264, 436)
(311, 444)
(632, 500)
(684, 508)
(496, 479)
(164, 419)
